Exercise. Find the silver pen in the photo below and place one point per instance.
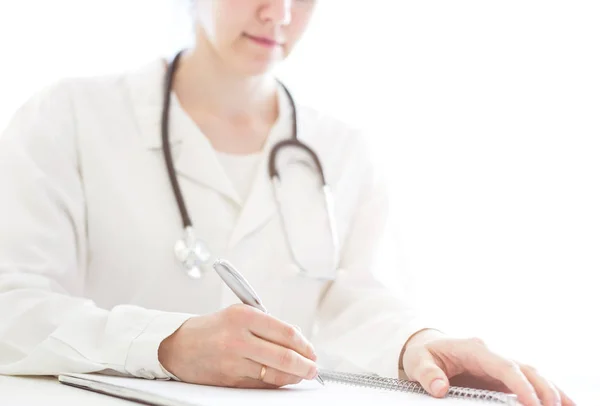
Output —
(242, 289)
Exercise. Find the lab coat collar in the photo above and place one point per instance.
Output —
(145, 88)
(193, 155)
(260, 205)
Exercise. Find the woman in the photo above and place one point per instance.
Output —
(88, 279)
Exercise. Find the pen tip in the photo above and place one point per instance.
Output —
(320, 380)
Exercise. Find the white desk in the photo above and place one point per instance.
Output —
(48, 391)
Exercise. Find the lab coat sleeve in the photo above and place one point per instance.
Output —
(47, 326)
(362, 326)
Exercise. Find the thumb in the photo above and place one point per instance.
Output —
(431, 377)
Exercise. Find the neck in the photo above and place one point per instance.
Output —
(203, 82)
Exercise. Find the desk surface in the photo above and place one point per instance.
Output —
(17, 391)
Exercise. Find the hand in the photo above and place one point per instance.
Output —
(437, 362)
(230, 347)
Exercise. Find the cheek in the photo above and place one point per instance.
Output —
(298, 26)
(227, 37)
(232, 16)
(220, 20)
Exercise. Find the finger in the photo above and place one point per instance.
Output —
(507, 372)
(250, 383)
(466, 380)
(278, 332)
(566, 401)
(273, 376)
(280, 358)
(431, 377)
(546, 391)
(279, 379)
(252, 370)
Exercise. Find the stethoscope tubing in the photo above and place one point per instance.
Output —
(292, 142)
(166, 147)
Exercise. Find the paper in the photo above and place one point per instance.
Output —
(305, 393)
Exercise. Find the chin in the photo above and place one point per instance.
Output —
(256, 65)
(256, 69)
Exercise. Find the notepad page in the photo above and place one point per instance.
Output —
(306, 393)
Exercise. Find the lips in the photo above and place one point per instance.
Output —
(264, 41)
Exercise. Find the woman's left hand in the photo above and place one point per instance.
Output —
(437, 362)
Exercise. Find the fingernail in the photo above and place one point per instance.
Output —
(437, 387)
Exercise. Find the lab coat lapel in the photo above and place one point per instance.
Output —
(260, 205)
(193, 156)
(197, 160)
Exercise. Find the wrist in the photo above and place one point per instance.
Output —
(419, 338)
(165, 351)
(168, 373)
(424, 336)
(142, 359)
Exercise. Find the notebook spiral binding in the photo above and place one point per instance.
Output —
(392, 384)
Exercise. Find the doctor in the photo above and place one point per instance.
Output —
(88, 278)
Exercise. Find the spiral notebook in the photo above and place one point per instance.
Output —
(339, 387)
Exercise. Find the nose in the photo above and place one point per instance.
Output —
(278, 12)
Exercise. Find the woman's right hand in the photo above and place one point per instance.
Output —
(230, 347)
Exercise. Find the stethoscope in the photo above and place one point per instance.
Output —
(193, 253)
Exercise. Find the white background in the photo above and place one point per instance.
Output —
(485, 116)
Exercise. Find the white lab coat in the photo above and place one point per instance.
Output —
(88, 278)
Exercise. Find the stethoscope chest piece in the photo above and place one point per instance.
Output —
(192, 253)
